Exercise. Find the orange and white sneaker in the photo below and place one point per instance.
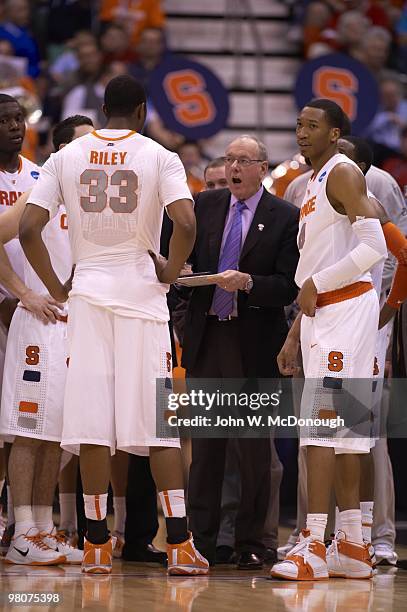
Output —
(29, 549)
(346, 559)
(118, 548)
(58, 542)
(306, 561)
(185, 560)
(97, 558)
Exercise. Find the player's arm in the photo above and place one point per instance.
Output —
(287, 357)
(43, 307)
(10, 219)
(32, 223)
(181, 213)
(346, 190)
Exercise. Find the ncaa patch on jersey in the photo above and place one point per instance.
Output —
(35, 174)
(321, 178)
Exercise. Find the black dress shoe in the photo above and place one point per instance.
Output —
(249, 561)
(270, 556)
(224, 554)
(148, 554)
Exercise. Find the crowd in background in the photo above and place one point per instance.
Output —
(63, 54)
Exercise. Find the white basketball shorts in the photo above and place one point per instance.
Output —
(110, 395)
(34, 378)
(338, 349)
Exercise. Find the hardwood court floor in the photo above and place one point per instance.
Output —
(147, 588)
(136, 587)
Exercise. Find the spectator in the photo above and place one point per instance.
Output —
(15, 29)
(386, 126)
(67, 63)
(351, 29)
(151, 51)
(191, 156)
(115, 44)
(87, 99)
(134, 15)
(156, 130)
(90, 65)
(375, 49)
(397, 166)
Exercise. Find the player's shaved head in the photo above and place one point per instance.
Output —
(357, 149)
(64, 131)
(123, 95)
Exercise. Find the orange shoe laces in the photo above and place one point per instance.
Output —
(37, 541)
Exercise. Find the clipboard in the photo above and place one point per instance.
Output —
(197, 279)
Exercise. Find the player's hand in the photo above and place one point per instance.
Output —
(165, 273)
(44, 307)
(7, 308)
(232, 280)
(307, 298)
(386, 314)
(287, 357)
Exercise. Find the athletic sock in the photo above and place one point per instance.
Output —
(316, 524)
(95, 512)
(173, 505)
(97, 531)
(351, 525)
(119, 507)
(23, 520)
(42, 516)
(67, 505)
(366, 508)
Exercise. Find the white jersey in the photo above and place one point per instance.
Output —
(324, 236)
(12, 185)
(377, 271)
(56, 239)
(114, 185)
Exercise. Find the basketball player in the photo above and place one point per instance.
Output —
(17, 174)
(385, 190)
(340, 240)
(32, 399)
(115, 184)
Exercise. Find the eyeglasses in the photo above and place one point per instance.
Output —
(242, 161)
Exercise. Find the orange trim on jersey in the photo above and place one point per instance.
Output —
(345, 293)
(167, 503)
(326, 413)
(94, 133)
(97, 508)
(30, 407)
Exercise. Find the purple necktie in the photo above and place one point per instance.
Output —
(229, 260)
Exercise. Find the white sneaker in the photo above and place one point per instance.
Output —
(347, 559)
(282, 551)
(29, 549)
(306, 561)
(60, 543)
(385, 555)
